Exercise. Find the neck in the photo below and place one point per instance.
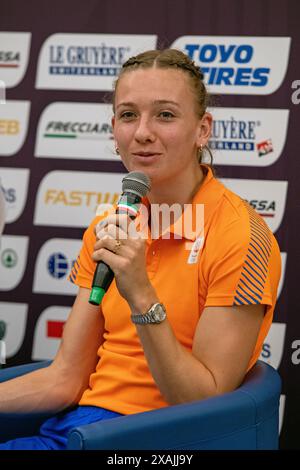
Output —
(180, 191)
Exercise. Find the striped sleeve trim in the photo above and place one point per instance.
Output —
(74, 271)
(251, 286)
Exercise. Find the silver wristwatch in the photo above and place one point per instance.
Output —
(156, 314)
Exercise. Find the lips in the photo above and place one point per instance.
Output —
(146, 154)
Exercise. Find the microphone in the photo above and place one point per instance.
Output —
(135, 186)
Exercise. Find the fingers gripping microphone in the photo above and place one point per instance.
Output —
(135, 186)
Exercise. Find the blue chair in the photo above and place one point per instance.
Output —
(246, 418)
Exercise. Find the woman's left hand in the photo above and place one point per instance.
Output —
(123, 248)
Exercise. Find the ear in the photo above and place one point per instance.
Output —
(113, 121)
(204, 129)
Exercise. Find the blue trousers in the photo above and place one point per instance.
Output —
(54, 431)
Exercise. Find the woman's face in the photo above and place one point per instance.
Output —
(156, 126)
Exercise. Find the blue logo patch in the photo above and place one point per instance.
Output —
(58, 265)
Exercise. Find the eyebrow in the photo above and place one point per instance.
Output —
(129, 103)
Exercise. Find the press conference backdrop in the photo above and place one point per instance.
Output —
(58, 61)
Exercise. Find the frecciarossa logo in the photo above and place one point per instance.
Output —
(238, 64)
(14, 57)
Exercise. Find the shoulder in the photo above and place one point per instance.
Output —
(237, 230)
(236, 218)
(90, 231)
(89, 234)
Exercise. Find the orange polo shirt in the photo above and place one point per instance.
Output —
(235, 260)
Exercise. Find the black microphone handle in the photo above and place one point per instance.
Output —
(104, 275)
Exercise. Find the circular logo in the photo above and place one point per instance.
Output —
(58, 265)
(9, 258)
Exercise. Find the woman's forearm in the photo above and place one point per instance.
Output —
(40, 390)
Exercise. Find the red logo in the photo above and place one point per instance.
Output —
(55, 328)
(264, 147)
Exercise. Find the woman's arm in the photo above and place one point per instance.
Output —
(223, 345)
(62, 383)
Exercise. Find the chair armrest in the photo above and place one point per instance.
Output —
(13, 425)
(16, 371)
(244, 419)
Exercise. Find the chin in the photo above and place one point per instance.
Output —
(142, 168)
(156, 175)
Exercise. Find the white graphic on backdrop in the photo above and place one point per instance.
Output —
(13, 257)
(267, 197)
(53, 265)
(14, 185)
(14, 316)
(76, 130)
(14, 55)
(2, 212)
(2, 92)
(87, 61)
(14, 117)
(273, 346)
(239, 64)
(248, 137)
(48, 332)
(71, 198)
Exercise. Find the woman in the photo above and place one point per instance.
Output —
(215, 300)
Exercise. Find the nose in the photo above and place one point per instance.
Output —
(144, 132)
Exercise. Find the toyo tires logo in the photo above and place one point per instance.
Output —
(239, 64)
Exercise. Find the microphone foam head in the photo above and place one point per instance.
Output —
(136, 182)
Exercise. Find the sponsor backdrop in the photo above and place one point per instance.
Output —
(57, 161)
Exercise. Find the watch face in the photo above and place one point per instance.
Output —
(159, 313)
(156, 315)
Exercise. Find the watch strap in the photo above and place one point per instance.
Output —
(148, 317)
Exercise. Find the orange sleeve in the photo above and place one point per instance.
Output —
(240, 263)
